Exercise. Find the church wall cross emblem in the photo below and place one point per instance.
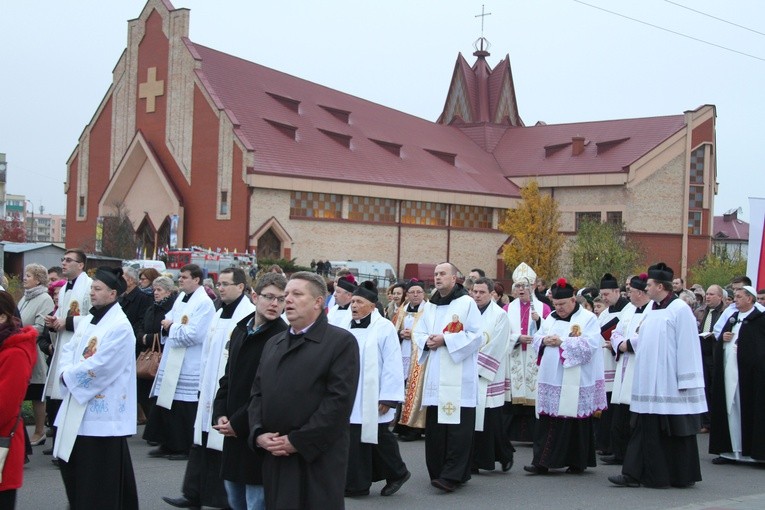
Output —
(151, 89)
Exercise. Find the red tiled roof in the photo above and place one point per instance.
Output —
(733, 229)
(521, 151)
(263, 100)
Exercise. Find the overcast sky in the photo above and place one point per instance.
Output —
(571, 62)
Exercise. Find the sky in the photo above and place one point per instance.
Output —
(571, 61)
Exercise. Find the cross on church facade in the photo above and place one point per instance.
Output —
(151, 89)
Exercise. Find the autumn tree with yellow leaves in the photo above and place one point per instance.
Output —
(533, 229)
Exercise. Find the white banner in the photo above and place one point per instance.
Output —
(755, 261)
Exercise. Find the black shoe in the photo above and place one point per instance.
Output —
(393, 486)
(507, 465)
(178, 456)
(181, 502)
(683, 485)
(624, 481)
(356, 494)
(55, 461)
(152, 443)
(410, 436)
(158, 453)
(48, 451)
(611, 460)
(721, 460)
(535, 470)
(443, 484)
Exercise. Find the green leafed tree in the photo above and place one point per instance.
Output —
(717, 269)
(601, 248)
(533, 230)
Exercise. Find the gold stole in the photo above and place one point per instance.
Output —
(412, 414)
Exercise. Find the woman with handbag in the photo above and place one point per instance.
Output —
(18, 353)
(164, 297)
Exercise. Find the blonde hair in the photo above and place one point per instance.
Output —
(38, 272)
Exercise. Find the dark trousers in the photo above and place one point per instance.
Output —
(620, 429)
(8, 499)
(561, 442)
(99, 474)
(172, 428)
(448, 447)
(491, 445)
(202, 483)
(603, 429)
(369, 463)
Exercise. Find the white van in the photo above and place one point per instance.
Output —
(368, 270)
(144, 263)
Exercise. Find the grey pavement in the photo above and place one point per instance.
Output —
(735, 487)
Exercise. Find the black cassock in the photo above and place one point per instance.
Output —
(306, 390)
(751, 387)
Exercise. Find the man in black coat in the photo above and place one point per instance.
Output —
(738, 391)
(134, 303)
(241, 467)
(301, 403)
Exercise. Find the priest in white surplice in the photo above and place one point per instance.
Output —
(608, 319)
(622, 344)
(373, 454)
(97, 374)
(570, 385)
(73, 304)
(525, 315)
(340, 313)
(667, 392)
(490, 442)
(184, 329)
(448, 336)
(202, 483)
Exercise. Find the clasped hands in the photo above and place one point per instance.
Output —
(552, 341)
(435, 341)
(277, 445)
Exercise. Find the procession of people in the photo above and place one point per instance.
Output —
(284, 398)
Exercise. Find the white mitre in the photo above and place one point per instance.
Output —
(524, 274)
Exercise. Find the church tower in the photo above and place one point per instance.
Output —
(481, 100)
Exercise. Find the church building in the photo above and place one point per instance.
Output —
(222, 152)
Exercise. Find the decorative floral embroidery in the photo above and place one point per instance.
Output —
(575, 351)
(99, 405)
(123, 404)
(84, 378)
(591, 399)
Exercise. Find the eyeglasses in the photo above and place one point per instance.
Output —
(271, 297)
(225, 284)
(69, 260)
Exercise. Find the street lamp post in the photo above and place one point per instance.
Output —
(33, 227)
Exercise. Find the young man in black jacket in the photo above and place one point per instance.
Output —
(241, 467)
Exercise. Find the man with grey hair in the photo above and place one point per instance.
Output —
(738, 415)
(301, 402)
(706, 317)
(134, 303)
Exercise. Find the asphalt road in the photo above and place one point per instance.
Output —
(724, 486)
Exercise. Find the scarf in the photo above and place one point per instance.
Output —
(30, 294)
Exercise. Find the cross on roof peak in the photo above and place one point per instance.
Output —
(481, 44)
